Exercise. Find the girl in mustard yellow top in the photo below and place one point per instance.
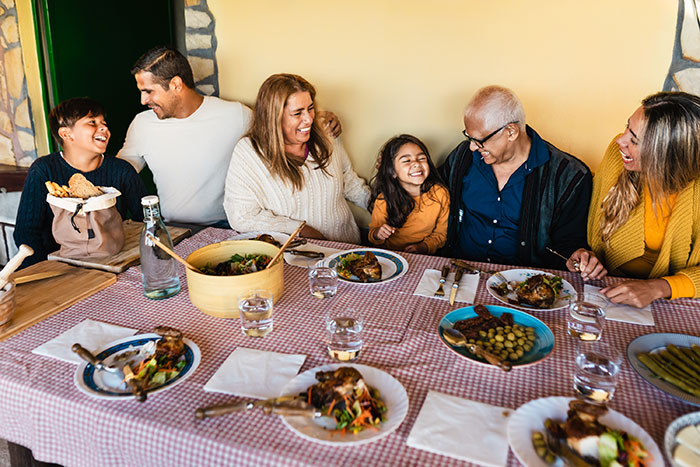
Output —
(644, 219)
(409, 203)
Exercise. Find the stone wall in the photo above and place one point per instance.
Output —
(17, 146)
(684, 72)
(200, 41)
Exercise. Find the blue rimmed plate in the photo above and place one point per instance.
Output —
(393, 264)
(657, 341)
(104, 385)
(544, 344)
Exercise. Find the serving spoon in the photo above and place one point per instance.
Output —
(166, 249)
(457, 339)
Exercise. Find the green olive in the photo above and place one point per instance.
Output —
(499, 338)
(508, 344)
(510, 336)
(521, 341)
(482, 333)
(512, 356)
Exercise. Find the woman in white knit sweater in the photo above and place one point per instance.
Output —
(286, 170)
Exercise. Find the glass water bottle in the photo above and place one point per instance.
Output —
(158, 269)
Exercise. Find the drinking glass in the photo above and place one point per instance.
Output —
(587, 316)
(344, 334)
(255, 310)
(597, 369)
(323, 282)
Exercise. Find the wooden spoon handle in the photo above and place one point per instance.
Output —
(166, 249)
(286, 244)
(13, 264)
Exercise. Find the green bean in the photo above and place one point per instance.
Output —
(662, 373)
(690, 354)
(668, 356)
(676, 352)
(672, 369)
(696, 349)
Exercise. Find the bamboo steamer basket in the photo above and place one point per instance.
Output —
(218, 295)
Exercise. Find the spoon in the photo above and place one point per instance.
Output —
(163, 247)
(456, 338)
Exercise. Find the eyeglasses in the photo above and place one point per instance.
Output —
(480, 142)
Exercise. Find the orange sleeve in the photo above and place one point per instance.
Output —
(378, 220)
(438, 237)
(681, 286)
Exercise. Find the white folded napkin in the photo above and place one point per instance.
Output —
(625, 313)
(463, 429)
(431, 280)
(303, 261)
(255, 373)
(93, 335)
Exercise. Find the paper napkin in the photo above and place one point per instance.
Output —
(93, 335)
(431, 280)
(255, 373)
(625, 313)
(463, 429)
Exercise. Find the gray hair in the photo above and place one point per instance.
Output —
(496, 106)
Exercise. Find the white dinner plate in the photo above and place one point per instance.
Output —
(520, 275)
(294, 260)
(105, 385)
(279, 236)
(530, 417)
(670, 443)
(393, 264)
(656, 342)
(391, 392)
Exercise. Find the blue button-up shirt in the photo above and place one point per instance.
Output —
(489, 222)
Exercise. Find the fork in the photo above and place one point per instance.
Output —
(503, 279)
(443, 278)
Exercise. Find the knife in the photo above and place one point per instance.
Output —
(306, 253)
(38, 276)
(289, 402)
(455, 285)
(466, 266)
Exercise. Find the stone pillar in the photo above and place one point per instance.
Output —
(684, 72)
(200, 41)
(17, 146)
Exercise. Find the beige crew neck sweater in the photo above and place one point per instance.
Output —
(254, 200)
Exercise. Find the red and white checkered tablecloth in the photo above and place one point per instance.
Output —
(41, 408)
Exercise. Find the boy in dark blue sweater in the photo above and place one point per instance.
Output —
(79, 127)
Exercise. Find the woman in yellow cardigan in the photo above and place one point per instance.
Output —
(644, 218)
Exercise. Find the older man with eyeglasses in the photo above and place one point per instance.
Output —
(513, 194)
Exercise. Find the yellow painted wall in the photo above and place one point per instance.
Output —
(392, 66)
